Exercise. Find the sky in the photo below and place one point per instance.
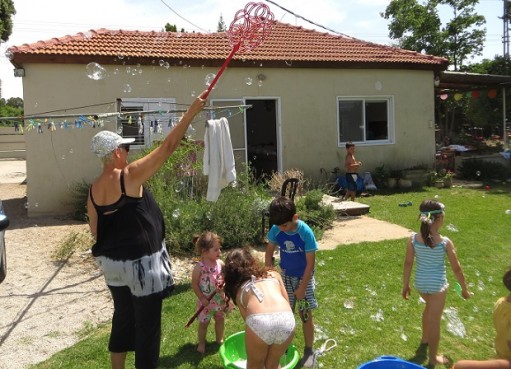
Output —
(43, 20)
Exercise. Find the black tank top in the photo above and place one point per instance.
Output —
(130, 228)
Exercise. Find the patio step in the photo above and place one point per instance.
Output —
(345, 208)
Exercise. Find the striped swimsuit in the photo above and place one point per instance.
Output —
(430, 275)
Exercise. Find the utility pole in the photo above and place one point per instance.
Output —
(506, 18)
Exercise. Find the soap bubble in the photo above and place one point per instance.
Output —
(176, 213)
(478, 173)
(126, 88)
(349, 304)
(179, 186)
(95, 71)
(378, 317)
(451, 227)
(248, 81)
(209, 79)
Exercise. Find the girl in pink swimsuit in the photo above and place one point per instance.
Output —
(206, 280)
(262, 300)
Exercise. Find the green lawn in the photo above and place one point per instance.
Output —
(359, 292)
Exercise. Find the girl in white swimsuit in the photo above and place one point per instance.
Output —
(262, 300)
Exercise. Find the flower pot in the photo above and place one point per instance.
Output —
(404, 183)
(439, 183)
(448, 182)
(391, 182)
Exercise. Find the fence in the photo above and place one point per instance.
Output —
(12, 144)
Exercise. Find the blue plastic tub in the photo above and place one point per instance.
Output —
(233, 354)
(389, 362)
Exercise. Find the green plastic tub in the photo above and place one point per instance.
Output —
(234, 356)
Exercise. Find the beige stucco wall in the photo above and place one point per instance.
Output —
(307, 117)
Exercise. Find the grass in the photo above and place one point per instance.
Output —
(359, 288)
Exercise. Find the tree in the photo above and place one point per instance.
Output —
(221, 25)
(170, 27)
(15, 102)
(415, 26)
(463, 33)
(418, 27)
(485, 111)
(12, 108)
(7, 10)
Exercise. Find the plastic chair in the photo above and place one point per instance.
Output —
(288, 189)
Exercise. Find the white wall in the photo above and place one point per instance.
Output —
(307, 117)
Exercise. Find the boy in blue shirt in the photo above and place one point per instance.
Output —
(297, 259)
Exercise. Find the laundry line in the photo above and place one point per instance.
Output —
(97, 116)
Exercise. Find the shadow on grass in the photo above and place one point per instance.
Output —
(187, 354)
(421, 354)
(421, 357)
(181, 288)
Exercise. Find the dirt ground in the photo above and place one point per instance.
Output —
(45, 304)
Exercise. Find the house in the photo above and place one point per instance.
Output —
(309, 92)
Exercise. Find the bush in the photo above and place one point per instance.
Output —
(278, 178)
(477, 169)
(311, 210)
(180, 189)
(80, 191)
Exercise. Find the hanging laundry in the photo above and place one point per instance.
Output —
(218, 160)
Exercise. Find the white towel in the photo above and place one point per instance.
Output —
(218, 157)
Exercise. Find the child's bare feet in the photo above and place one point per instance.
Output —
(201, 348)
(439, 360)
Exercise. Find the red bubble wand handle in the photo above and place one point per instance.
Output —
(248, 30)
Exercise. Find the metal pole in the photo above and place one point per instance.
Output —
(505, 34)
(504, 116)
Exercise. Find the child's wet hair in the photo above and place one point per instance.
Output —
(282, 210)
(240, 265)
(429, 211)
(205, 241)
(349, 144)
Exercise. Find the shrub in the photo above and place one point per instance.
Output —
(477, 169)
(312, 211)
(180, 189)
(380, 176)
(80, 193)
(278, 178)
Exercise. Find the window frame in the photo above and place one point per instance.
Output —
(389, 99)
(149, 104)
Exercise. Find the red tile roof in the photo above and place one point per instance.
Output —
(286, 45)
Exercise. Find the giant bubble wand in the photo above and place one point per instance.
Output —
(247, 31)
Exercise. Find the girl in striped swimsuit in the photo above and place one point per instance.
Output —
(429, 248)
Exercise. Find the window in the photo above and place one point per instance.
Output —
(365, 119)
(146, 119)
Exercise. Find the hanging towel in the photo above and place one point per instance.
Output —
(218, 157)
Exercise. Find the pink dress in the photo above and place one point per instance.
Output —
(207, 283)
